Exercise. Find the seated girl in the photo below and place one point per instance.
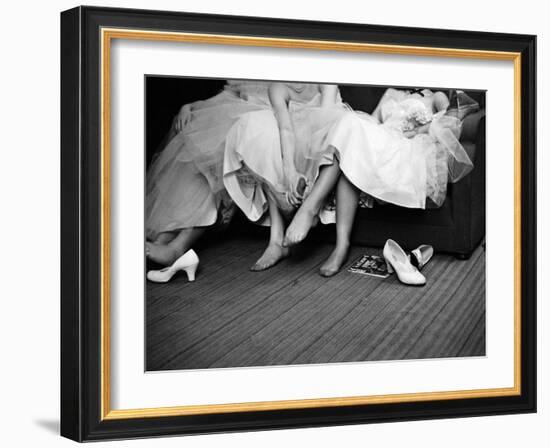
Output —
(248, 145)
(185, 194)
(405, 152)
(284, 156)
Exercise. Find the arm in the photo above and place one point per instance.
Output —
(279, 97)
(328, 95)
(440, 101)
(182, 118)
(424, 129)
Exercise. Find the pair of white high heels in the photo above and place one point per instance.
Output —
(188, 263)
(407, 268)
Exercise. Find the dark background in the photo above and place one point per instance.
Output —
(164, 96)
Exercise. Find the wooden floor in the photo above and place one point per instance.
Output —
(230, 317)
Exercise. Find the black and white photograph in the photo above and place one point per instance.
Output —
(291, 223)
(275, 224)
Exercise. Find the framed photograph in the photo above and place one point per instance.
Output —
(276, 224)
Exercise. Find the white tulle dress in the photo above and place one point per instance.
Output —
(382, 161)
(185, 181)
(253, 156)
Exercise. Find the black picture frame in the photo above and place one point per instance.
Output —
(81, 289)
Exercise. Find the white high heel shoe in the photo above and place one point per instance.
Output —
(421, 256)
(188, 262)
(397, 261)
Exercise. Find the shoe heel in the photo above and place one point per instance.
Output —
(190, 271)
(389, 266)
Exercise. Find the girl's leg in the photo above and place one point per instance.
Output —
(306, 215)
(347, 196)
(165, 237)
(166, 254)
(275, 250)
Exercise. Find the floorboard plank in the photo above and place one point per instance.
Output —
(448, 333)
(426, 316)
(360, 333)
(288, 334)
(226, 307)
(475, 343)
(231, 317)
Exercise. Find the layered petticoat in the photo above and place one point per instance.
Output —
(253, 165)
(185, 181)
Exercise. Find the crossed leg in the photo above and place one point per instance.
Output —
(165, 237)
(306, 216)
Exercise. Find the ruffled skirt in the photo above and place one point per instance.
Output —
(253, 165)
(392, 168)
(185, 181)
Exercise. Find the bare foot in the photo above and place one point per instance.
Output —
(334, 262)
(299, 227)
(161, 253)
(271, 256)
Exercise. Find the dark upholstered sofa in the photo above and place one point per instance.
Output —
(458, 226)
